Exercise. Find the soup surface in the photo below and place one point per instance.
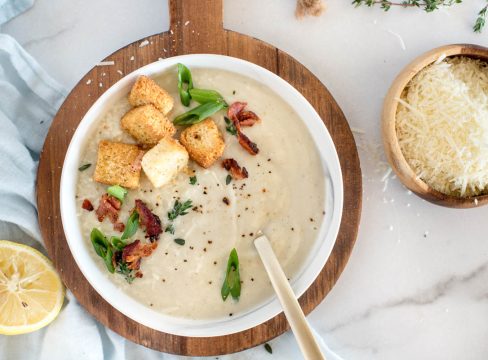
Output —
(283, 196)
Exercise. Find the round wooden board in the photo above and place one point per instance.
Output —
(196, 27)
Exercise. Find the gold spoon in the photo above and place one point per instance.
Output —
(294, 314)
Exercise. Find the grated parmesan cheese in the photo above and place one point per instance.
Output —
(442, 125)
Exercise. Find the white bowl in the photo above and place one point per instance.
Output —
(186, 327)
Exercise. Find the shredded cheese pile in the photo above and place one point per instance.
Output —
(442, 126)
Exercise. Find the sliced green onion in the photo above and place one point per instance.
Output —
(117, 191)
(108, 260)
(232, 282)
(99, 242)
(203, 96)
(184, 78)
(117, 243)
(193, 180)
(103, 248)
(199, 113)
(131, 227)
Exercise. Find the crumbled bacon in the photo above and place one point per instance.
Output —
(87, 205)
(235, 109)
(119, 227)
(109, 207)
(233, 113)
(246, 143)
(234, 169)
(134, 252)
(116, 258)
(245, 117)
(150, 221)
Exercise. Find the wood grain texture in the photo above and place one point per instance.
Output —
(393, 152)
(203, 34)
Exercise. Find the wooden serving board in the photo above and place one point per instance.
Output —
(195, 27)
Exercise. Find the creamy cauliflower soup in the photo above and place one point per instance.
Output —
(183, 273)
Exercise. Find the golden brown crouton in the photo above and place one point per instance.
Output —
(146, 91)
(147, 125)
(118, 164)
(204, 142)
(164, 161)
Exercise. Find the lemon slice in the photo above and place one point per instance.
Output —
(31, 292)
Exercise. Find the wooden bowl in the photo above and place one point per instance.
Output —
(393, 152)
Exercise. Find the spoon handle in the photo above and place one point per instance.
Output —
(294, 314)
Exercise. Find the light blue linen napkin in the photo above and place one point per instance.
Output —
(29, 99)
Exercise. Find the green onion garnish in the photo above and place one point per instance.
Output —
(232, 282)
(199, 113)
(117, 243)
(117, 191)
(184, 78)
(193, 180)
(203, 96)
(102, 248)
(131, 227)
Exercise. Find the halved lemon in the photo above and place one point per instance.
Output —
(31, 292)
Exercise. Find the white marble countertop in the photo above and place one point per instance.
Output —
(416, 286)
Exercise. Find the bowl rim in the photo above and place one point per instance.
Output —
(391, 146)
(200, 328)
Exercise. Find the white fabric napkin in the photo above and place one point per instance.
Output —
(29, 99)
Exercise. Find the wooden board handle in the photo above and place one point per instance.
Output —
(196, 26)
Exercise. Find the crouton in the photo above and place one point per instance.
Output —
(146, 91)
(147, 125)
(118, 164)
(204, 142)
(163, 162)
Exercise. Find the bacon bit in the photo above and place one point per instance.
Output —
(139, 274)
(87, 205)
(226, 202)
(134, 252)
(109, 207)
(137, 164)
(233, 113)
(234, 169)
(116, 258)
(235, 109)
(120, 227)
(150, 221)
(245, 117)
(246, 143)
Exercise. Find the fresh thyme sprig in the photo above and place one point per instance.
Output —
(124, 270)
(179, 209)
(426, 5)
(480, 21)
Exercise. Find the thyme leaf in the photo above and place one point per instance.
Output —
(179, 209)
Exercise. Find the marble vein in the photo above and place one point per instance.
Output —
(42, 39)
(425, 297)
